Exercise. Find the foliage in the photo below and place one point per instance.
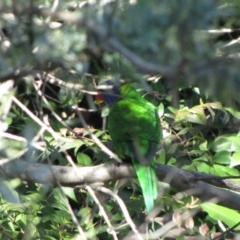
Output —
(53, 54)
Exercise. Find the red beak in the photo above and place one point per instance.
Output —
(99, 99)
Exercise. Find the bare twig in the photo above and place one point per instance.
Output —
(38, 145)
(38, 74)
(80, 230)
(96, 139)
(40, 93)
(101, 208)
(38, 121)
(74, 218)
(165, 229)
(123, 208)
(222, 235)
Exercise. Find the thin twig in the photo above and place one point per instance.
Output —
(80, 230)
(48, 78)
(96, 139)
(40, 93)
(227, 231)
(45, 127)
(123, 208)
(101, 208)
(37, 120)
(34, 144)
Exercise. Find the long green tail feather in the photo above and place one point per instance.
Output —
(148, 181)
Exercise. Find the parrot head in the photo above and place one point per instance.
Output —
(116, 92)
(109, 96)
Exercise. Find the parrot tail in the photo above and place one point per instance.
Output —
(148, 181)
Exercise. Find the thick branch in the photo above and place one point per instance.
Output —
(179, 179)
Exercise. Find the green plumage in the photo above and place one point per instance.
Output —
(134, 127)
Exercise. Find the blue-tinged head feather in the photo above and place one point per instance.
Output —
(112, 95)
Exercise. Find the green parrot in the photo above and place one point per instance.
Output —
(134, 127)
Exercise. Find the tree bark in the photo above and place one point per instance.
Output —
(201, 185)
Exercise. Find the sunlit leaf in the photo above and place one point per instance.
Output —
(235, 159)
(70, 193)
(105, 112)
(160, 110)
(83, 159)
(222, 157)
(228, 216)
(229, 143)
(234, 112)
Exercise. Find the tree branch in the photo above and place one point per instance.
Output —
(179, 179)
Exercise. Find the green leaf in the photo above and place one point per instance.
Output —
(70, 193)
(235, 113)
(203, 146)
(8, 193)
(229, 143)
(216, 169)
(105, 112)
(171, 161)
(60, 203)
(161, 157)
(84, 214)
(160, 110)
(9, 120)
(11, 226)
(235, 159)
(195, 115)
(235, 143)
(173, 148)
(84, 159)
(220, 144)
(171, 109)
(224, 171)
(228, 216)
(72, 143)
(99, 133)
(11, 148)
(222, 157)
(185, 130)
(196, 118)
